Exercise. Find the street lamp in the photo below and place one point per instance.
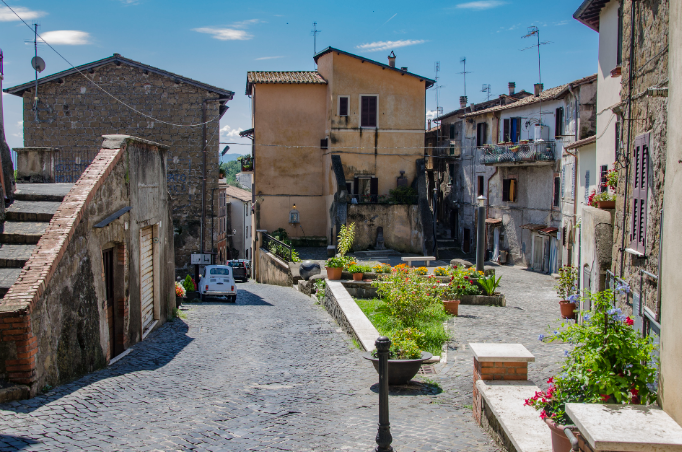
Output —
(480, 234)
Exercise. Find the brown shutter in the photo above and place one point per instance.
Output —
(369, 111)
(356, 186)
(374, 189)
(639, 193)
(506, 132)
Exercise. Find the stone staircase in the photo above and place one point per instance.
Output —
(26, 220)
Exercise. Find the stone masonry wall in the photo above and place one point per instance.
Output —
(649, 114)
(81, 113)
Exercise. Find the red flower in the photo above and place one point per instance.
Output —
(634, 391)
(466, 277)
(604, 397)
(629, 321)
(543, 414)
(551, 380)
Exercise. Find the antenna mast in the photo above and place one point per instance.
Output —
(314, 32)
(463, 60)
(535, 31)
(486, 89)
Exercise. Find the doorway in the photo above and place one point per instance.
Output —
(108, 262)
(466, 247)
(454, 223)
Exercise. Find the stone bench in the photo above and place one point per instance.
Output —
(500, 388)
(624, 428)
(410, 259)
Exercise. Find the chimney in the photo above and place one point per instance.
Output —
(391, 59)
(429, 125)
(538, 89)
(512, 88)
(462, 102)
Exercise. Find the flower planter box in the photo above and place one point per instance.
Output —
(192, 295)
(178, 301)
(401, 371)
(478, 300)
(606, 205)
(334, 273)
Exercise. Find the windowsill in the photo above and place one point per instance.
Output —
(616, 71)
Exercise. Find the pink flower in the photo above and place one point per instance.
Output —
(551, 380)
(543, 414)
(629, 321)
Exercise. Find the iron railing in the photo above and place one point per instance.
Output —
(69, 165)
(539, 151)
(384, 199)
(276, 247)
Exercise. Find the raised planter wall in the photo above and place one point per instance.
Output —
(483, 300)
(341, 306)
(273, 270)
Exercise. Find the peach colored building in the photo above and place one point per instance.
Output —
(331, 140)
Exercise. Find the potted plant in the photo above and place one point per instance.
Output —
(610, 363)
(180, 293)
(358, 271)
(246, 163)
(334, 266)
(404, 358)
(382, 268)
(603, 200)
(190, 288)
(567, 289)
(461, 283)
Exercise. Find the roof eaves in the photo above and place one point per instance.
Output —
(19, 89)
(588, 13)
(429, 82)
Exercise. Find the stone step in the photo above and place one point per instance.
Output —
(32, 210)
(41, 192)
(22, 232)
(8, 276)
(14, 256)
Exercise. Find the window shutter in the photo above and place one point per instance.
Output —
(587, 186)
(573, 181)
(563, 180)
(452, 131)
(356, 186)
(505, 136)
(485, 134)
(559, 122)
(374, 189)
(512, 190)
(505, 190)
(639, 193)
(343, 106)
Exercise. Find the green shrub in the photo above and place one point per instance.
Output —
(489, 284)
(188, 284)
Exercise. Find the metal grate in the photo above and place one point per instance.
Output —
(427, 369)
(71, 164)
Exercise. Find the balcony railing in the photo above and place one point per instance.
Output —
(384, 199)
(539, 151)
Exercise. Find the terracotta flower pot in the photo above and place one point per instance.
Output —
(334, 273)
(357, 276)
(606, 204)
(451, 306)
(567, 309)
(560, 442)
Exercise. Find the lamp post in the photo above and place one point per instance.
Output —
(480, 234)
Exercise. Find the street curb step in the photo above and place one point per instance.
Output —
(14, 393)
(31, 210)
(27, 232)
(14, 256)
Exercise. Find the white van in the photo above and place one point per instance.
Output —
(217, 281)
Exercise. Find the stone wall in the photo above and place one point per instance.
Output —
(53, 320)
(273, 270)
(402, 226)
(648, 114)
(80, 114)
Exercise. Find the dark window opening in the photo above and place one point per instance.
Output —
(452, 172)
(603, 174)
(619, 50)
(481, 133)
(481, 189)
(452, 131)
(557, 191)
(324, 143)
(511, 130)
(368, 112)
(559, 123)
(509, 190)
(617, 140)
(343, 106)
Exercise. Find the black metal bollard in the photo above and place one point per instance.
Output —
(384, 438)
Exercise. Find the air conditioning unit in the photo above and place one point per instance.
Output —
(540, 133)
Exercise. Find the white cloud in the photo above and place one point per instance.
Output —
(563, 22)
(225, 34)
(130, 2)
(6, 15)
(20, 130)
(430, 114)
(269, 58)
(480, 5)
(66, 37)
(227, 131)
(387, 45)
(246, 23)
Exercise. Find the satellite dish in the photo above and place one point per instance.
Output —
(38, 64)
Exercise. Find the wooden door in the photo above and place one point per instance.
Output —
(537, 253)
(108, 263)
(146, 276)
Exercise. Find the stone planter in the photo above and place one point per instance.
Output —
(401, 371)
(560, 442)
(191, 295)
(334, 273)
(178, 301)
(357, 276)
(606, 205)
(451, 306)
(567, 309)
(494, 300)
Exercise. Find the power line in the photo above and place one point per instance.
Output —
(102, 89)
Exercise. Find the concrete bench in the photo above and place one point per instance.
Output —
(624, 428)
(425, 259)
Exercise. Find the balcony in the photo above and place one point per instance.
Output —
(537, 153)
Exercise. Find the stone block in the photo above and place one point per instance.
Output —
(36, 164)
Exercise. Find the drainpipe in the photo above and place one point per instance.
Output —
(575, 177)
(627, 164)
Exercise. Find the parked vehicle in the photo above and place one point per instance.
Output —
(239, 270)
(217, 281)
(247, 263)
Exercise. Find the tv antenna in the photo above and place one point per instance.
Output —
(535, 31)
(486, 89)
(314, 32)
(464, 72)
(38, 65)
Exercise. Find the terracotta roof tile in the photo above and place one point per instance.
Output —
(235, 192)
(288, 77)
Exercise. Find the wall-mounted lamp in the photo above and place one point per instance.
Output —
(227, 148)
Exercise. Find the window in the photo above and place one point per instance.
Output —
(366, 189)
(619, 50)
(368, 111)
(509, 190)
(557, 191)
(640, 193)
(481, 190)
(452, 131)
(511, 130)
(559, 122)
(343, 105)
(603, 173)
(324, 143)
(481, 133)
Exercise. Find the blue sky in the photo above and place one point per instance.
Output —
(217, 42)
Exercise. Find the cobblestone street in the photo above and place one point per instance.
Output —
(272, 372)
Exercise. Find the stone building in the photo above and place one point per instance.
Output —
(101, 275)
(239, 222)
(78, 106)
